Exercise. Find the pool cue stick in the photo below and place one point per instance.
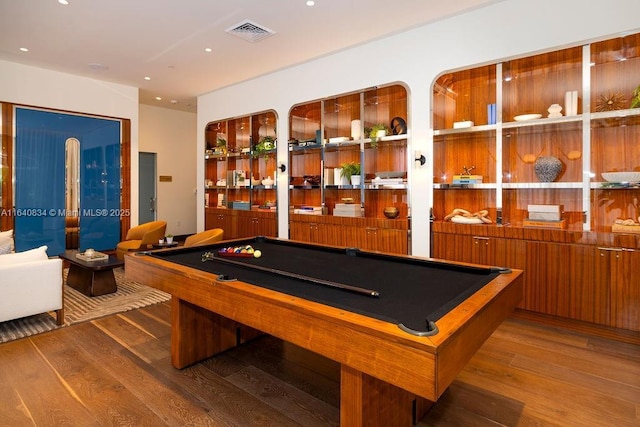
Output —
(210, 256)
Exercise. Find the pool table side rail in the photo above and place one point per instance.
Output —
(375, 347)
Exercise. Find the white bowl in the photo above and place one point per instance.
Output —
(621, 176)
(525, 117)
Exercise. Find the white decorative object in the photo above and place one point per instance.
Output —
(525, 117)
(554, 111)
(621, 176)
(356, 129)
(338, 179)
(571, 102)
(356, 180)
(462, 125)
(267, 182)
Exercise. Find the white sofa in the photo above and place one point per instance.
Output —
(30, 283)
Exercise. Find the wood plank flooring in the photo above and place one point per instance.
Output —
(116, 371)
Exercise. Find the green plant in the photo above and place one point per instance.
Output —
(266, 144)
(169, 236)
(635, 101)
(221, 143)
(373, 133)
(348, 169)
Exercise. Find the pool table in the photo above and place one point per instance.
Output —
(401, 327)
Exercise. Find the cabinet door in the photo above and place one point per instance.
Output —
(256, 223)
(615, 130)
(216, 219)
(625, 289)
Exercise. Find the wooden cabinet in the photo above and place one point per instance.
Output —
(364, 233)
(240, 173)
(240, 223)
(330, 133)
(499, 155)
(220, 218)
(616, 268)
(256, 223)
(578, 268)
(581, 275)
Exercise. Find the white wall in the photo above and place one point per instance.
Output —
(499, 31)
(38, 87)
(171, 134)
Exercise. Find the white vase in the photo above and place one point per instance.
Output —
(355, 129)
(355, 180)
(169, 240)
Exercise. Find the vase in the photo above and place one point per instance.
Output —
(391, 212)
(547, 168)
(355, 180)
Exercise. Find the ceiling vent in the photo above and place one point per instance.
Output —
(250, 31)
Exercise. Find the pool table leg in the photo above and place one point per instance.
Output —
(365, 400)
(197, 334)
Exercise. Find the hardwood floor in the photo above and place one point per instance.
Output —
(116, 371)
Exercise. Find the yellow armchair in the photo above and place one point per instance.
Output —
(205, 237)
(140, 237)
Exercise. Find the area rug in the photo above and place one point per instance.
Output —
(81, 308)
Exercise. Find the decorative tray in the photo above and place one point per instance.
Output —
(619, 228)
(95, 256)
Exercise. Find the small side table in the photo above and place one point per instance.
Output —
(92, 278)
(164, 245)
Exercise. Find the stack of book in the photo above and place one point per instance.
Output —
(467, 179)
(347, 209)
(546, 216)
(308, 210)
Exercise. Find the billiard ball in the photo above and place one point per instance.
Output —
(257, 253)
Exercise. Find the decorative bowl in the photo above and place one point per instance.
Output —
(525, 117)
(621, 176)
(391, 212)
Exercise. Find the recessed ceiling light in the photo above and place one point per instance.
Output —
(174, 102)
(158, 98)
(310, 3)
(24, 49)
(208, 49)
(147, 78)
(65, 2)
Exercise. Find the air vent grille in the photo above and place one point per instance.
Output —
(250, 31)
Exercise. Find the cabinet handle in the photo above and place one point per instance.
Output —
(476, 240)
(610, 249)
(616, 250)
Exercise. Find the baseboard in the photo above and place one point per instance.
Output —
(622, 335)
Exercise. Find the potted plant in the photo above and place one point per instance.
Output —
(379, 130)
(266, 144)
(221, 145)
(635, 101)
(351, 172)
(169, 238)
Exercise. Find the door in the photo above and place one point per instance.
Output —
(147, 188)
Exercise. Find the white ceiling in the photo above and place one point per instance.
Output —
(123, 41)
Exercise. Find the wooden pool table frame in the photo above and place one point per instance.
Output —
(388, 377)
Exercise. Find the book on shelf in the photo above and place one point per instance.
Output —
(560, 224)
